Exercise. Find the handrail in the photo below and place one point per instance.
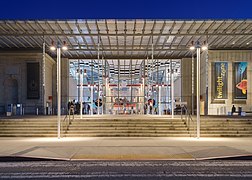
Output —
(188, 120)
(67, 121)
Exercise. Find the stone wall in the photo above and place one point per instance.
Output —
(13, 69)
(224, 106)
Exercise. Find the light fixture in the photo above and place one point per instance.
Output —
(64, 47)
(85, 72)
(192, 47)
(204, 47)
(247, 43)
(52, 47)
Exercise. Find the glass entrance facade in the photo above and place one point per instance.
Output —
(128, 86)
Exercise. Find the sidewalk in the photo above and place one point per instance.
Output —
(142, 148)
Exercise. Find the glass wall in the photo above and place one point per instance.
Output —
(129, 86)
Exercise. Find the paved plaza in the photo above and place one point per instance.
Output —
(112, 148)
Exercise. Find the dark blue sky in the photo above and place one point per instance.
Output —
(126, 9)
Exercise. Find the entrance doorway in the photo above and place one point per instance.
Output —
(130, 86)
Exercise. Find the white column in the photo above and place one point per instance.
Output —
(198, 92)
(92, 98)
(152, 73)
(102, 87)
(172, 93)
(43, 79)
(58, 89)
(81, 92)
(159, 100)
(98, 91)
(192, 109)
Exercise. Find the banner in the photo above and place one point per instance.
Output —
(240, 80)
(32, 80)
(220, 80)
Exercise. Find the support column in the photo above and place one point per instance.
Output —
(192, 108)
(43, 79)
(81, 92)
(118, 85)
(92, 86)
(58, 89)
(98, 91)
(159, 100)
(198, 92)
(103, 101)
(172, 93)
(92, 99)
(152, 70)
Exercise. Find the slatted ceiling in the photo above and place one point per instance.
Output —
(143, 28)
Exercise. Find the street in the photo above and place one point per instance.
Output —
(215, 169)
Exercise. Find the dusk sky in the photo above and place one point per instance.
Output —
(126, 9)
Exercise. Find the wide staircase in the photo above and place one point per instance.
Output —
(229, 126)
(127, 126)
(28, 127)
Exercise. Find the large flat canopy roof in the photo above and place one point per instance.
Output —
(125, 39)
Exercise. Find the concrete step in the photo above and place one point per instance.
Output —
(28, 132)
(126, 125)
(226, 135)
(28, 135)
(128, 131)
(125, 128)
(127, 135)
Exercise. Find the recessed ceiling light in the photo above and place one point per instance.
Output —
(247, 43)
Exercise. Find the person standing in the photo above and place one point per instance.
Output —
(233, 110)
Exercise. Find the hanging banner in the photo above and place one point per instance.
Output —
(32, 80)
(220, 80)
(240, 80)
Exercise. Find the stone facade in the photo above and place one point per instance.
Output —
(209, 105)
(224, 106)
(13, 79)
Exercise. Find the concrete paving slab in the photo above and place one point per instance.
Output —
(126, 148)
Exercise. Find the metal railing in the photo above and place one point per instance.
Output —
(67, 121)
(190, 123)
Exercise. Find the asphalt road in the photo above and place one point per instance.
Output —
(111, 170)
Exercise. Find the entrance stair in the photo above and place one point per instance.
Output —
(126, 126)
(28, 127)
(213, 126)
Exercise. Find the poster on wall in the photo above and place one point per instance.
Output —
(32, 80)
(240, 80)
(220, 80)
